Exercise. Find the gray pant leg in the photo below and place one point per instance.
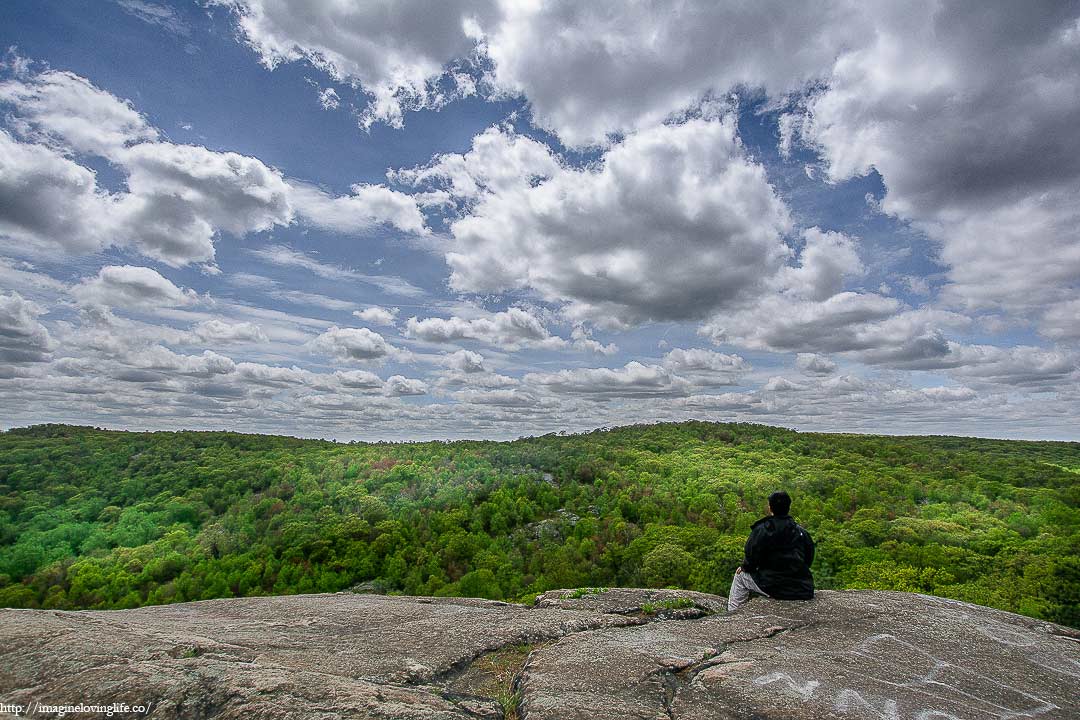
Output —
(741, 586)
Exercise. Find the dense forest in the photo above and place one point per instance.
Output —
(101, 519)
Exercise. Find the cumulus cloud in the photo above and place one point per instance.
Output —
(465, 361)
(827, 258)
(49, 201)
(398, 385)
(781, 384)
(358, 379)
(587, 70)
(64, 110)
(273, 376)
(955, 133)
(581, 339)
(974, 146)
(621, 245)
(378, 315)
(221, 332)
(633, 380)
(396, 53)
(968, 113)
(157, 357)
(705, 367)
(23, 339)
(503, 398)
(353, 344)
(876, 329)
(814, 364)
(1018, 365)
(499, 161)
(177, 199)
(182, 194)
(466, 368)
(510, 329)
(132, 286)
(1061, 321)
(591, 69)
(366, 207)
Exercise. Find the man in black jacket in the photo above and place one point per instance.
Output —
(779, 553)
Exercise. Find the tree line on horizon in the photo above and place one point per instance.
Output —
(103, 519)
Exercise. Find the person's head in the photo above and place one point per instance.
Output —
(779, 503)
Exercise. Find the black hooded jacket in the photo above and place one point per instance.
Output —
(779, 553)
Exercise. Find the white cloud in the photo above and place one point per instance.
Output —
(177, 199)
(465, 361)
(720, 401)
(219, 331)
(1061, 321)
(154, 14)
(358, 379)
(498, 162)
(395, 52)
(131, 286)
(814, 364)
(705, 367)
(23, 339)
(506, 398)
(398, 385)
(28, 281)
(946, 394)
(366, 207)
(969, 119)
(581, 339)
(633, 380)
(271, 376)
(590, 69)
(825, 261)
(329, 99)
(353, 344)
(64, 110)
(177, 196)
(1018, 365)
(968, 113)
(233, 192)
(510, 329)
(161, 358)
(48, 201)
(781, 384)
(299, 297)
(877, 329)
(378, 315)
(676, 222)
(284, 256)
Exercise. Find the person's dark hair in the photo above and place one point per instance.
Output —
(780, 503)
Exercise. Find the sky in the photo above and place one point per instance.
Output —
(492, 219)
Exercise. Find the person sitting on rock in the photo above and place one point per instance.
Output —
(779, 553)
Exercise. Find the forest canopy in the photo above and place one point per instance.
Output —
(103, 519)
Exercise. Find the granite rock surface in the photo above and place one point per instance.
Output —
(588, 653)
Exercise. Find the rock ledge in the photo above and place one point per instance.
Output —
(595, 654)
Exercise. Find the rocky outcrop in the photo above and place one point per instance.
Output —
(595, 654)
